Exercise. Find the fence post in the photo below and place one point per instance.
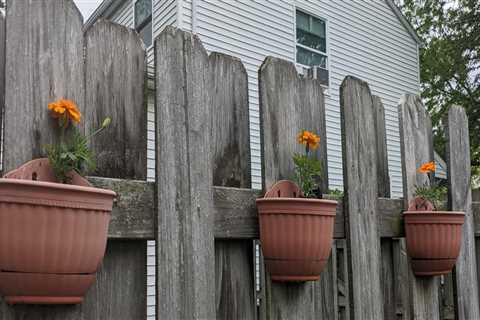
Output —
(417, 148)
(185, 238)
(234, 277)
(289, 103)
(361, 198)
(460, 198)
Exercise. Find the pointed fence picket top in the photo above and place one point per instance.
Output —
(460, 199)
(48, 69)
(360, 174)
(55, 68)
(288, 104)
(417, 148)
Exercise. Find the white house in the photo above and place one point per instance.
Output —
(368, 39)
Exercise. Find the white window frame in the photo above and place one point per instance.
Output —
(327, 43)
(135, 27)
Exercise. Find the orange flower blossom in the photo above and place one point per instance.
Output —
(65, 108)
(309, 139)
(427, 167)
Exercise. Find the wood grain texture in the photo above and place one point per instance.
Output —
(383, 182)
(361, 202)
(234, 278)
(115, 69)
(2, 65)
(460, 199)
(417, 148)
(114, 77)
(105, 299)
(49, 36)
(133, 209)
(288, 104)
(382, 154)
(185, 238)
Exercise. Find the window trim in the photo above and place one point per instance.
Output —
(149, 19)
(327, 42)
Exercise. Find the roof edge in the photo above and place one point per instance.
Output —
(404, 22)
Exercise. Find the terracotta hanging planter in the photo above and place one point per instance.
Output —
(296, 233)
(52, 236)
(433, 238)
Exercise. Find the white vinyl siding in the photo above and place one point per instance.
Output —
(365, 39)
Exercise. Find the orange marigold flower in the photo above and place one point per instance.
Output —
(427, 167)
(67, 108)
(308, 138)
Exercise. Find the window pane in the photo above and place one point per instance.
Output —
(310, 58)
(312, 41)
(318, 27)
(146, 34)
(143, 11)
(303, 21)
(311, 32)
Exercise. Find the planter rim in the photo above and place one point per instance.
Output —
(436, 213)
(300, 200)
(55, 186)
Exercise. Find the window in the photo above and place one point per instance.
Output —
(143, 20)
(312, 44)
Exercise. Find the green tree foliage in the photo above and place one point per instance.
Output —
(449, 63)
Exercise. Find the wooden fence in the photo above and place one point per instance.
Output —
(201, 210)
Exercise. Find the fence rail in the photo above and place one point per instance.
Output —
(201, 210)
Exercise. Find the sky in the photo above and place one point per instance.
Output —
(87, 7)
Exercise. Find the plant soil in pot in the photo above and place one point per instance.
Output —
(296, 233)
(52, 236)
(433, 238)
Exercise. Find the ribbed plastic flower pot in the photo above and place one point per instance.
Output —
(296, 233)
(52, 236)
(433, 240)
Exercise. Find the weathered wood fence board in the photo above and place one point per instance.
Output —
(234, 272)
(115, 67)
(185, 240)
(2, 65)
(289, 103)
(49, 35)
(417, 148)
(460, 199)
(361, 198)
(115, 70)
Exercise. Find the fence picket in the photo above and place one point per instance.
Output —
(361, 198)
(185, 239)
(417, 148)
(460, 198)
(2, 68)
(289, 103)
(234, 278)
